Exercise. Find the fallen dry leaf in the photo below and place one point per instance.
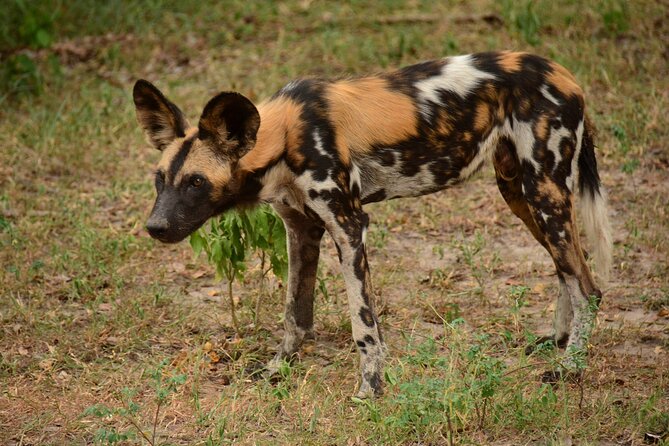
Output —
(47, 364)
(539, 288)
(214, 357)
(180, 359)
(111, 340)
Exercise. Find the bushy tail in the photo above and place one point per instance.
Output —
(593, 206)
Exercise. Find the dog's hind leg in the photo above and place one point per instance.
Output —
(553, 210)
(548, 190)
(508, 172)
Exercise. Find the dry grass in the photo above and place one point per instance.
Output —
(91, 306)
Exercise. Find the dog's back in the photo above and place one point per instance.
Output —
(427, 126)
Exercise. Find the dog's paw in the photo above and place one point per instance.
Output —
(370, 388)
(556, 376)
(255, 370)
(367, 392)
(544, 343)
(551, 377)
(540, 344)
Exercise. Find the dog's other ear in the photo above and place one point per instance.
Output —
(231, 122)
(161, 120)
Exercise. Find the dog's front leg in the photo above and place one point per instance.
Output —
(304, 238)
(349, 235)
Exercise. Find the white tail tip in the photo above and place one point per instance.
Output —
(598, 230)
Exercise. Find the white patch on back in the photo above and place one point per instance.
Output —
(458, 75)
(547, 94)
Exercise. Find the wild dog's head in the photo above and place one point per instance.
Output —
(195, 178)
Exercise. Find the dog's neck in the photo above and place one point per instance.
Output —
(263, 174)
(270, 140)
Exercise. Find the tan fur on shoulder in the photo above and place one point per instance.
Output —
(280, 127)
(367, 112)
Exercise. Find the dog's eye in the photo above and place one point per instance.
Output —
(196, 181)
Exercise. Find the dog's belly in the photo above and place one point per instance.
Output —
(384, 181)
(411, 172)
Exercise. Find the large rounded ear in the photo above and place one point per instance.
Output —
(231, 121)
(161, 120)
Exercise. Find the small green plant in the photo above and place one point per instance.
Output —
(20, 74)
(471, 255)
(441, 279)
(518, 294)
(451, 391)
(426, 354)
(322, 281)
(451, 45)
(164, 382)
(235, 235)
(282, 389)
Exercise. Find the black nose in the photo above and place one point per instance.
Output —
(157, 228)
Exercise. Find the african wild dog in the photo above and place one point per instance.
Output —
(318, 150)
